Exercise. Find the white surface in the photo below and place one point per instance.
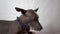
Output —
(49, 12)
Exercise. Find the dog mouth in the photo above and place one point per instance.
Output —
(35, 29)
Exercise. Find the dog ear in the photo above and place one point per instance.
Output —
(36, 10)
(20, 10)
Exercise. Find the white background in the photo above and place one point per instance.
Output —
(49, 12)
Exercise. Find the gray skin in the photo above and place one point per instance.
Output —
(28, 17)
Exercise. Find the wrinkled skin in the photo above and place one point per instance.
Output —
(28, 17)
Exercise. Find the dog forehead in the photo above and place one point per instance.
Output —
(30, 14)
(30, 11)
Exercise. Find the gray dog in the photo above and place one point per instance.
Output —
(28, 17)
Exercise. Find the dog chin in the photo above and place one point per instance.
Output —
(31, 30)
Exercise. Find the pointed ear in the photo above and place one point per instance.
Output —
(36, 10)
(20, 10)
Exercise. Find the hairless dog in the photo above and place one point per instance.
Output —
(28, 18)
